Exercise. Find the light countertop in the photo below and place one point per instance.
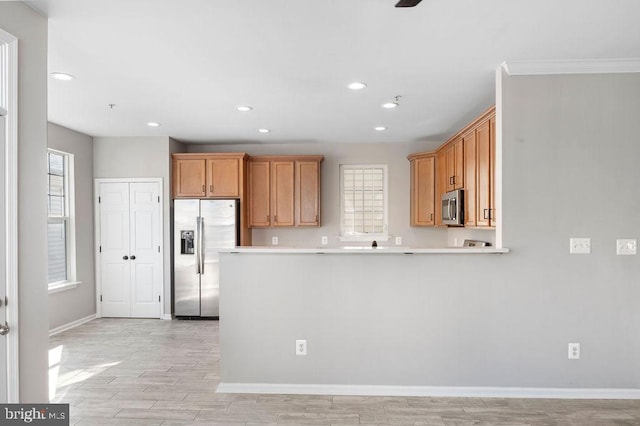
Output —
(365, 250)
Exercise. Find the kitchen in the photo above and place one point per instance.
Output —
(511, 316)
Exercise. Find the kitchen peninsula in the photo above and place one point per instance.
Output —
(349, 306)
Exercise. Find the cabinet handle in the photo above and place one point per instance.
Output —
(431, 216)
(450, 180)
(203, 189)
(210, 188)
(125, 257)
(490, 215)
(268, 218)
(316, 218)
(133, 257)
(484, 213)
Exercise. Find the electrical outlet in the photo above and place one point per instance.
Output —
(325, 241)
(574, 350)
(626, 246)
(274, 241)
(301, 347)
(398, 241)
(580, 245)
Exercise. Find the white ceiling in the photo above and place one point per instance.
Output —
(188, 63)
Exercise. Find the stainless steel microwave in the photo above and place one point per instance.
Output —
(453, 208)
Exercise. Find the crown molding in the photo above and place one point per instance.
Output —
(594, 66)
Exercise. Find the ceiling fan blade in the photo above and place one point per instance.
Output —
(407, 3)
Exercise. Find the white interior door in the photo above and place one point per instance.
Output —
(115, 275)
(3, 266)
(144, 207)
(130, 240)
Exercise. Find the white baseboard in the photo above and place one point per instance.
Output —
(433, 391)
(166, 317)
(71, 325)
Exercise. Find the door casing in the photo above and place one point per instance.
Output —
(9, 104)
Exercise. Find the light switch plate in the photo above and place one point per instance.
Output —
(324, 241)
(580, 245)
(398, 241)
(626, 246)
(274, 241)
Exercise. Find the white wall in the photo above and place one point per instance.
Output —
(77, 303)
(392, 154)
(140, 157)
(570, 153)
(31, 31)
(174, 146)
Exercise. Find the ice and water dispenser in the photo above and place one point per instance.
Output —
(186, 242)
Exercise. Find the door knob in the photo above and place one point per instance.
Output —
(133, 257)
(4, 329)
(125, 257)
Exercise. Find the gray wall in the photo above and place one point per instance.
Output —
(74, 304)
(140, 157)
(394, 155)
(570, 152)
(31, 31)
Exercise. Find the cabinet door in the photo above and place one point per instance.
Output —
(259, 194)
(469, 141)
(223, 177)
(442, 180)
(451, 167)
(458, 166)
(307, 193)
(282, 192)
(189, 178)
(422, 192)
(483, 191)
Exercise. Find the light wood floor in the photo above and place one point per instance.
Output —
(152, 372)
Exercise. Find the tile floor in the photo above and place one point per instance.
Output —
(153, 372)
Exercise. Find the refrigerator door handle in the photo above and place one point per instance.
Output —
(201, 245)
(198, 245)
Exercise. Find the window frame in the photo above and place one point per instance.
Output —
(68, 219)
(364, 236)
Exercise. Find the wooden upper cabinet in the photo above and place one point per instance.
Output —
(469, 141)
(484, 174)
(259, 194)
(466, 161)
(189, 177)
(455, 165)
(423, 190)
(203, 175)
(442, 180)
(307, 193)
(282, 192)
(223, 177)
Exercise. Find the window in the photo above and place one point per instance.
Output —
(363, 204)
(60, 224)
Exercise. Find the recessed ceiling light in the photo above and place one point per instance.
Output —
(153, 124)
(357, 86)
(62, 76)
(244, 108)
(264, 130)
(390, 105)
(380, 128)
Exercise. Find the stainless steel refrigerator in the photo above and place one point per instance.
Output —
(201, 229)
